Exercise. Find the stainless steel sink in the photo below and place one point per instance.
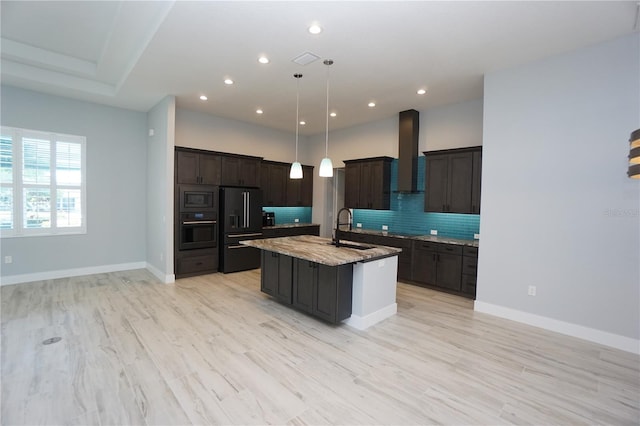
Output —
(351, 246)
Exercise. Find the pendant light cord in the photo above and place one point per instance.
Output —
(297, 112)
(327, 62)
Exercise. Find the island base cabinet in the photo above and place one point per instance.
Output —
(323, 291)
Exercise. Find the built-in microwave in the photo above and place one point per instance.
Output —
(198, 198)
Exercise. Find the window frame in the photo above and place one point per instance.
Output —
(18, 186)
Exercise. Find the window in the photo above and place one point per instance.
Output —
(42, 183)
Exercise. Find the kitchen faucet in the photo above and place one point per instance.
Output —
(336, 240)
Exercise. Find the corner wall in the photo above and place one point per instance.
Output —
(160, 188)
(558, 211)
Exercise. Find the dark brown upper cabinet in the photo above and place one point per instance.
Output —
(367, 183)
(240, 170)
(281, 191)
(452, 180)
(194, 167)
(274, 178)
(300, 191)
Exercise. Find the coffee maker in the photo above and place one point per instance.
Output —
(268, 218)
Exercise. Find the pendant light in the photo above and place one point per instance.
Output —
(634, 155)
(326, 167)
(296, 167)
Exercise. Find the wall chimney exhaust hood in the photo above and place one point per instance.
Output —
(409, 127)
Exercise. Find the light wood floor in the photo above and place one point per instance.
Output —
(214, 350)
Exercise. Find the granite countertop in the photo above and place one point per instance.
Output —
(290, 225)
(430, 238)
(319, 250)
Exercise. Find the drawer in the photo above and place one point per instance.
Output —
(469, 265)
(425, 245)
(470, 251)
(450, 248)
(188, 265)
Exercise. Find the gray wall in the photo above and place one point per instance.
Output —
(558, 211)
(116, 184)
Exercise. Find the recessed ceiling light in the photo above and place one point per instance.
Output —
(203, 98)
(422, 91)
(302, 123)
(259, 111)
(228, 81)
(333, 114)
(315, 29)
(371, 104)
(263, 60)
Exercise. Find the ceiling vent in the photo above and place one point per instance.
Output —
(409, 127)
(305, 58)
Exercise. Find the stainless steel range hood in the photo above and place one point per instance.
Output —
(409, 127)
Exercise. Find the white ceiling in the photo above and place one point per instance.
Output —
(132, 54)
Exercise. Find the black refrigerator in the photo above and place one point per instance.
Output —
(240, 219)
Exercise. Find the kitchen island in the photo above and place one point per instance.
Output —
(353, 283)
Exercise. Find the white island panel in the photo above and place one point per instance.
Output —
(374, 292)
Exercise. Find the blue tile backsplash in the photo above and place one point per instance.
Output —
(407, 214)
(286, 215)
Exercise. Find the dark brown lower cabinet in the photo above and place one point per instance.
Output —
(469, 270)
(437, 264)
(323, 291)
(196, 262)
(276, 275)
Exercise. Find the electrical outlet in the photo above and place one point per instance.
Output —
(385, 228)
(476, 236)
(8, 259)
(434, 232)
(296, 220)
(358, 225)
(532, 290)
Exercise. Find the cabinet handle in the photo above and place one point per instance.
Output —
(434, 257)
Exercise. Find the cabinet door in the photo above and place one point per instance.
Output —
(209, 169)
(436, 177)
(325, 293)
(378, 188)
(476, 182)
(187, 167)
(305, 278)
(275, 185)
(449, 273)
(300, 191)
(460, 182)
(249, 172)
(285, 278)
(269, 273)
(367, 182)
(424, 265)
(352, 186)
(230, 171)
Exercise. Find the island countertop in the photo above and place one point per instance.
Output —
(320, 250)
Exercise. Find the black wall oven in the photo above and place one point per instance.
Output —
(198, 198)
(198, 230)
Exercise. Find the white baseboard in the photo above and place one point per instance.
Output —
(362, 323)
(64, 273)
(591, 334)
(165, 278)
